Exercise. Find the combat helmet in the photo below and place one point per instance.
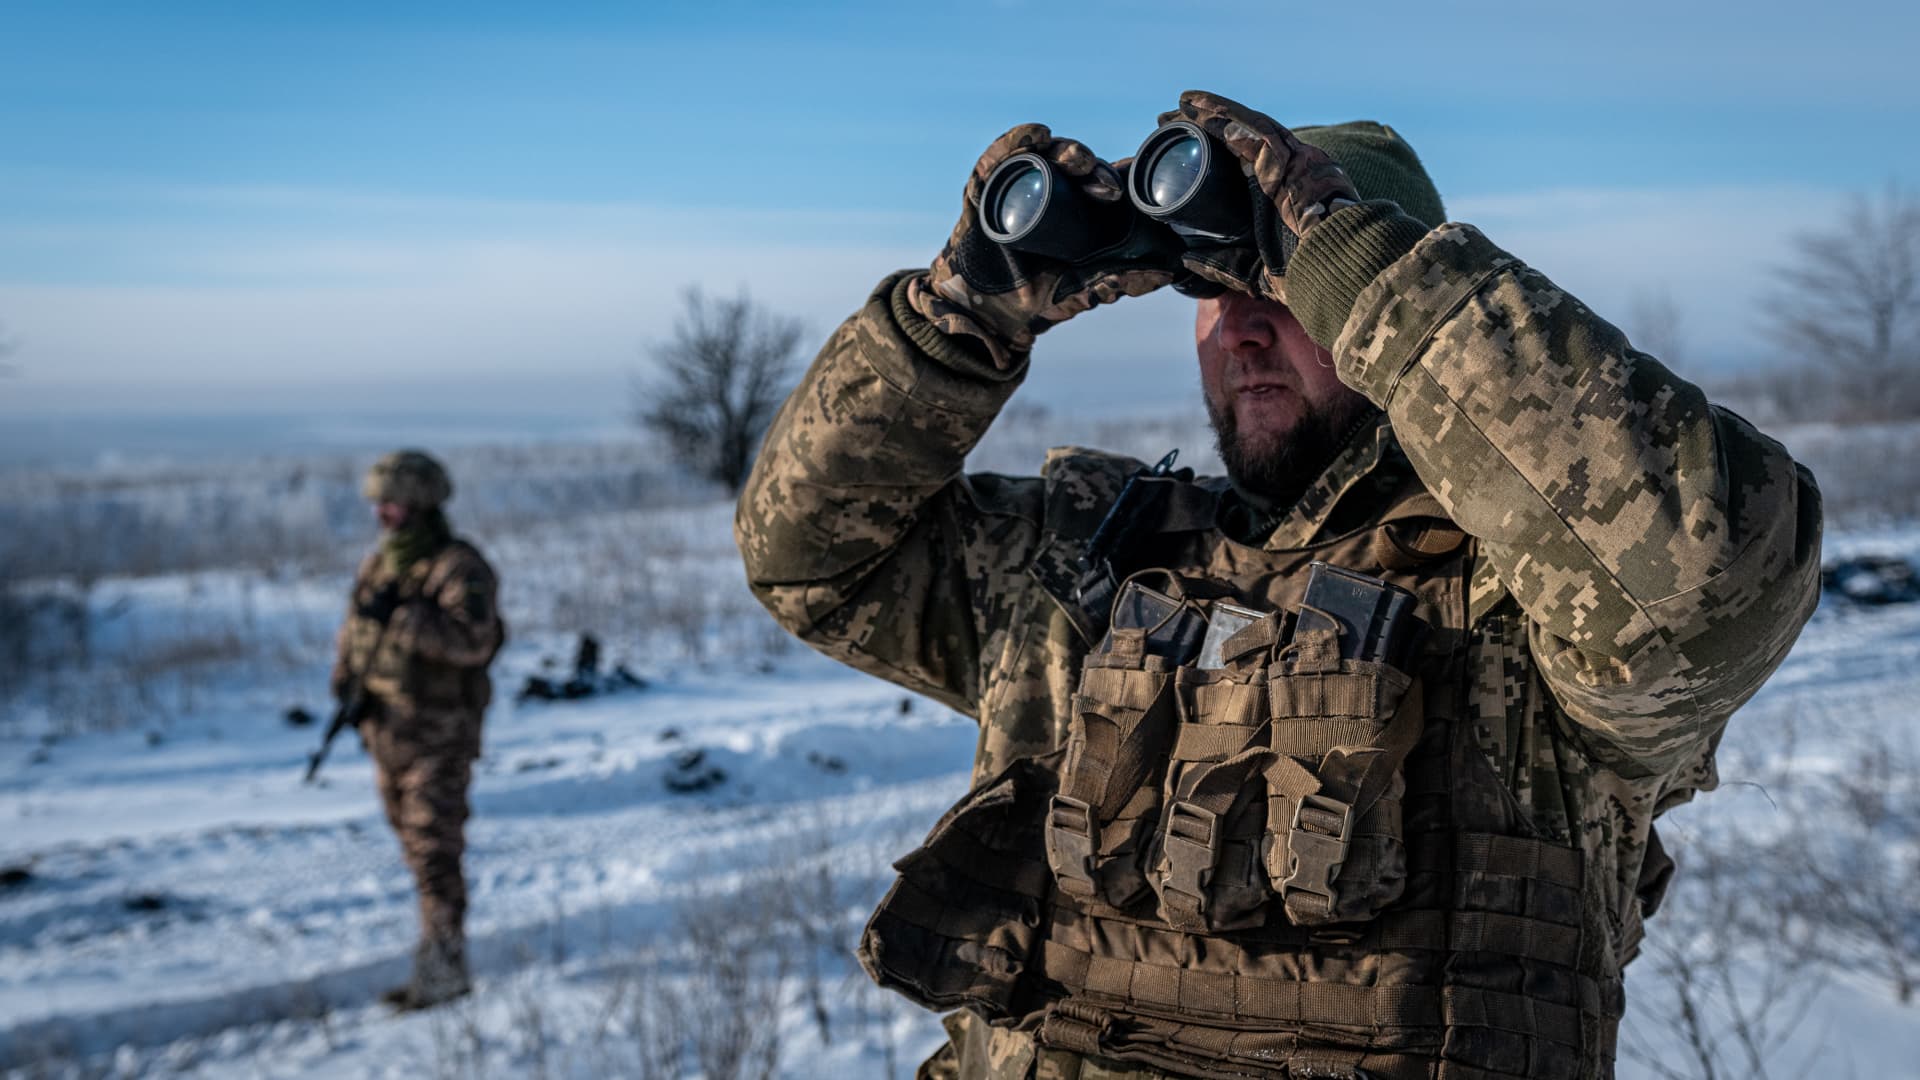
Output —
(410, 478)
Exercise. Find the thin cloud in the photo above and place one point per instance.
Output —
(519, 295)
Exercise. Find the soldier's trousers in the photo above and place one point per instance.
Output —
(423, 786)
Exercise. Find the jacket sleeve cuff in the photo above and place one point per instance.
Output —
(947, 371)
(1339, 257)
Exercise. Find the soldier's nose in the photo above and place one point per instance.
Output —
(1246, 323)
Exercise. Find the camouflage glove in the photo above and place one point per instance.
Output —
(1005, 297)
(1293, 186)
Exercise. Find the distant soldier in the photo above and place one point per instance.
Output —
(421, 628)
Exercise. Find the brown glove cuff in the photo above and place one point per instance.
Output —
(1339, 257)
(950, 334)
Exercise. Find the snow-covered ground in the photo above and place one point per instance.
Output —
(193, 905)
(185, 905)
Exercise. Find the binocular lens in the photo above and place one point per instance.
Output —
(1028, 204)
(1175, 172)
(1021, 198)
(1190, 181)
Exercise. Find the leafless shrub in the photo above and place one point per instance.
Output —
(1857, 872)
(879, 1011)
(530, 1026)
(737, 987)
(308, 1004)
(460, 1046)
(810, 900)
(642, 1025)
(1728, 972)
(54, 1057)
(683, 616)
(17, 611)
(146, 676)
(303, 515)
(666, 587)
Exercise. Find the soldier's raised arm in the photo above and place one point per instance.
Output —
(860, 532)
(1664, 551)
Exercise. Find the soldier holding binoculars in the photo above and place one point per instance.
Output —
(1219, 828)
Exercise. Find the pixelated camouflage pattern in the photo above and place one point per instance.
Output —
(429, 688)
(1006, 322)
(408, 477)
(1661, 550)
(1645, 558)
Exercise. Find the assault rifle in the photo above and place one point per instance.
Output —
(352, 708)
(349, 714)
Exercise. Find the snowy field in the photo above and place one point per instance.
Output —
(669, 881)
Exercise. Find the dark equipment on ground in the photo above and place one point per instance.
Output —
(690, 772)
(586, 681)
(298, 716)
(1872, 580)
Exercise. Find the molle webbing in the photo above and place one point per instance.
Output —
(961, 921)
(1515, 1002)
(1536, 879)
(970, 922)
(1104, 806)
(1477, 968)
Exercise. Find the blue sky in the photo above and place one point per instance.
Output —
(279, 206)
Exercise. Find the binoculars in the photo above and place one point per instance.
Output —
(1184, 188)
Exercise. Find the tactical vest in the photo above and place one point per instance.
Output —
(1290, 861)
(401, 681)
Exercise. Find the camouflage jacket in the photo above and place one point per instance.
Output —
(438, 642)
(1644, 559)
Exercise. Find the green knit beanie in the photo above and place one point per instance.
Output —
(1382, 166)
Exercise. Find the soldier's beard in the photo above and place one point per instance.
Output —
(1275, 468)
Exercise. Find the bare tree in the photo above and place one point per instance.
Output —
(1858, 876)
(721, 377)
(1849, 305)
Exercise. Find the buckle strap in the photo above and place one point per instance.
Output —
(1317, 845)
(1191, 845)
(1071, 844)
